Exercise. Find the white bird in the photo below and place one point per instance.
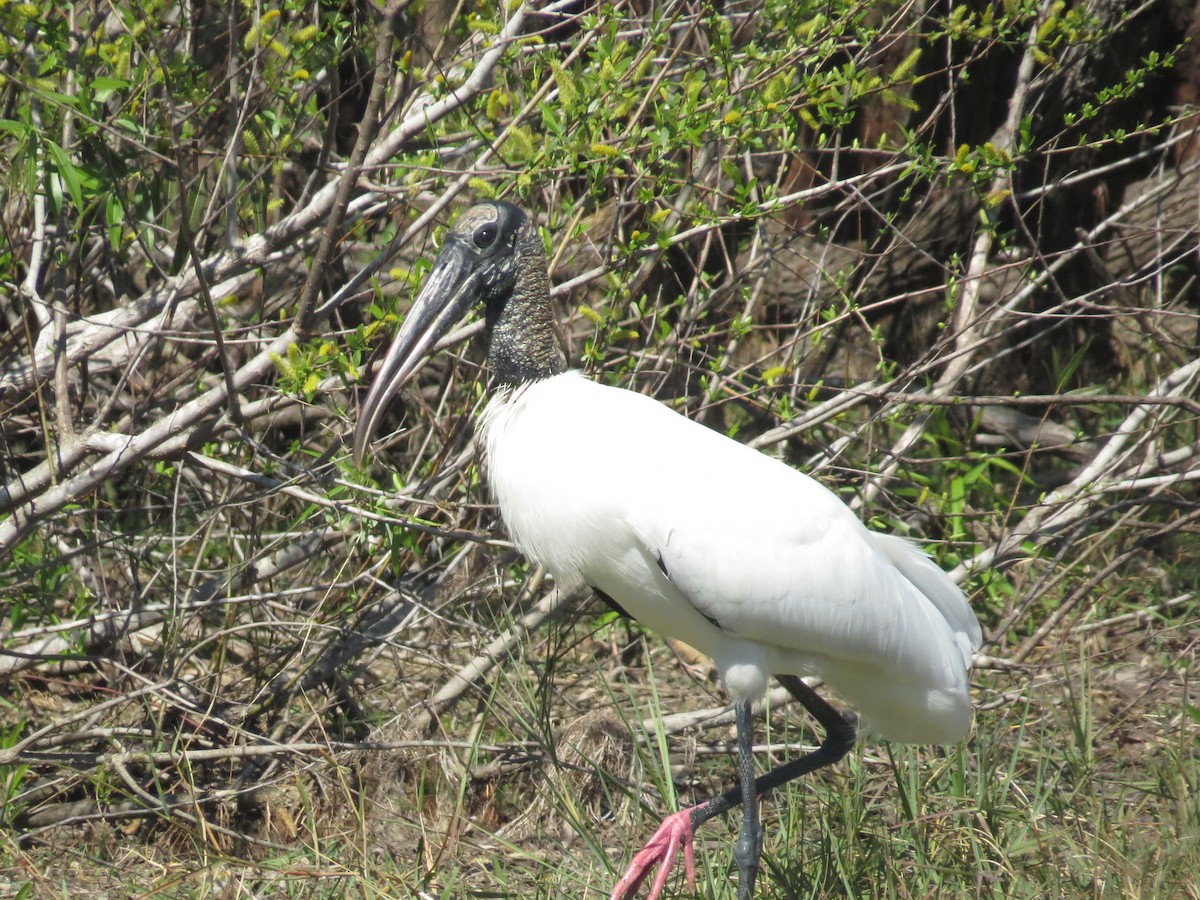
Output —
(696, 536)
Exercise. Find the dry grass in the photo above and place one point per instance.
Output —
(943, 260)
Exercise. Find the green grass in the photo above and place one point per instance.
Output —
(1080, 780)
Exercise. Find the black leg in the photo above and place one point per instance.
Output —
(839, 738)
(678, 830)
(749, 844)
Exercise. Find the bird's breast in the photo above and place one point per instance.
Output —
(561, 507)
(572, 480)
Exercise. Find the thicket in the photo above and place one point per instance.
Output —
(941, 255)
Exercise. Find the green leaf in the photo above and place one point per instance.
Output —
(114, 217)
(75, 178)
(104, 87)
(16, 129)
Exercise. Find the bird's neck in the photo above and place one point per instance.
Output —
(522, 343)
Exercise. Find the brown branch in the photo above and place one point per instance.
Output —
(1072, 502)
(369, 125)
(104, 630)
(496, 652)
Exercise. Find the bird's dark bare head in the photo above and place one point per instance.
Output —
(492, 256)
(490, 238)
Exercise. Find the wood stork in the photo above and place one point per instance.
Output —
(691, 533)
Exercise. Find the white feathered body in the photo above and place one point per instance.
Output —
(706, 540)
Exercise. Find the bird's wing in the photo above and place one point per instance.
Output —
(915, 565)
(773, 556)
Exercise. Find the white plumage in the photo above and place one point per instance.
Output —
(682, 525)
(693, 534)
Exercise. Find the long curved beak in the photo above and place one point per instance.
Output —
(449, 292)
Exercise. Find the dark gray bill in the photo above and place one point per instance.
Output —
(449, 292)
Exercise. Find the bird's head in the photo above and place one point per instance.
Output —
(492, 254)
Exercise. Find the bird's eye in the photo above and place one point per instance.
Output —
(485, 235)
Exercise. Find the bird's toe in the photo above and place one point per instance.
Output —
(676, 833)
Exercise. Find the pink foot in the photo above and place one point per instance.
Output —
(674, 834)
